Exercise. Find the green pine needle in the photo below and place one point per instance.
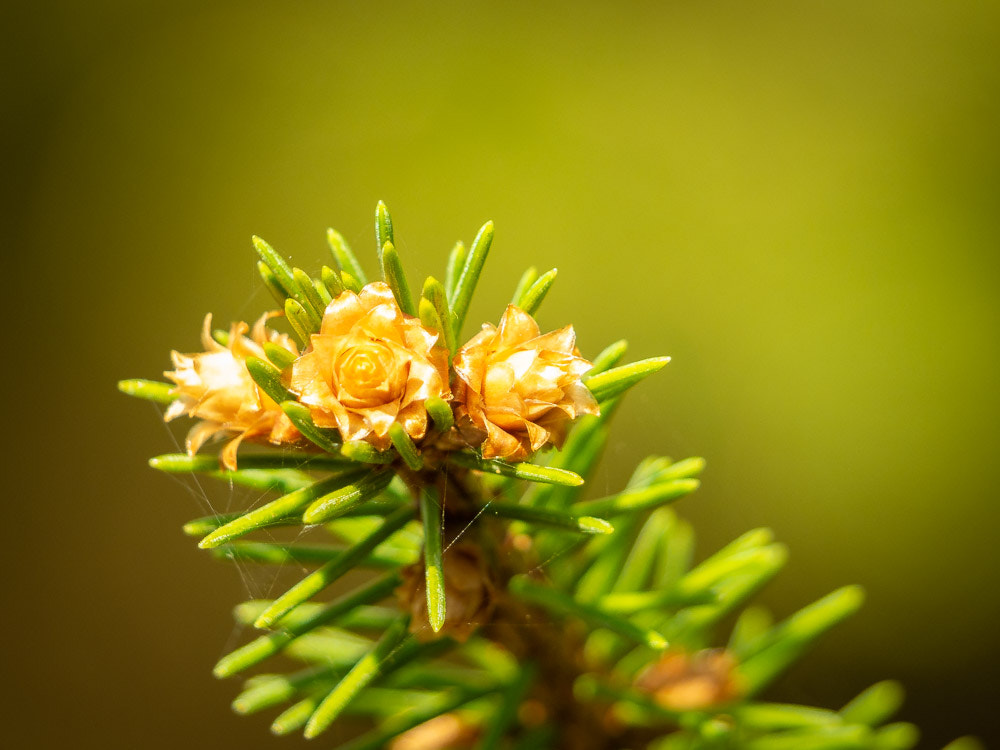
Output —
(528, 471)
(310, 299)
(429, 317)
(403, 444)
(271, 282)
(362, 617)
(636, 501)
(551, 518)
(383, 230)
(302, 419)
(331, 646)
(898, 736)
(345, 258)
(609, 357)
(456, 262)
(279, 356)
(299, 320)
(359, 450)
(529, 277)
(772, 717)
(150, 390)
(532, 298)
(325, 297)
(277, 689)
(434, 293)
(471, 271)
(440, 413)
(875, 705)
(395, 277)
(631, 602)
(361, 674)
(208, 524)
(432, 514)
(822, 738)
(332, 281)
(350, 281)
(181, 463)
(295, 283)
(276, 264)
(295, 716)
(614, 382)
(347, 497)
(268, 378)
(739, 564)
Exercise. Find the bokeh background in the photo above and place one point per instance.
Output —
(797, 201)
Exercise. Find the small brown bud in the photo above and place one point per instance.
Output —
(444, 732)
(532, 713)
(522, 542)
(369, 366)
(215, 387)
(684, 681)
(468, 592)
(518, 390)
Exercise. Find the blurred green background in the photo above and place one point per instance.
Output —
(797, 201)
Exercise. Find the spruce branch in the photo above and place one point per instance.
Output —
(499, 604)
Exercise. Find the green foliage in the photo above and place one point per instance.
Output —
(466, 281)
(607, 587)
(531, 299)
(150, 390)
